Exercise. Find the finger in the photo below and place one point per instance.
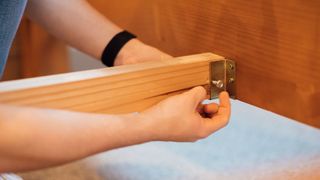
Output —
(208, 110)
(211, 108)
(224, 110)
(224, 99)
(221, 118)
(165, 56)
(200, 108)
(197, 95)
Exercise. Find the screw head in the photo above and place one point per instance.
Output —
(218, 83)
(231, 67)
(231, 80)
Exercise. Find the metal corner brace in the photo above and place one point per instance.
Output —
(222, 78)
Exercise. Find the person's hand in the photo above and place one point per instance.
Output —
(183, 118)
(136, 52)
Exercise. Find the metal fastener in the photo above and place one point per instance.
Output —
(218, 83)
(231, 80)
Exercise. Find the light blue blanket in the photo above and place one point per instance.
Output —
(257, 144)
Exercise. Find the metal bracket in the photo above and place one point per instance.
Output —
(222, 78)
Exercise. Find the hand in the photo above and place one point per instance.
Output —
(183, 118)
(136, 52)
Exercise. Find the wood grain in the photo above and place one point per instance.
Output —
(276, 44)
(119, 89)
(41, 54)
(35, 53)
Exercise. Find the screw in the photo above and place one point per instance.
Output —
(231, 66)
(231, 80)
(218, 83)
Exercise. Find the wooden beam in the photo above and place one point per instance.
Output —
(111, 90)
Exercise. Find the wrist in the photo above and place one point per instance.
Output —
(141, 127)
(129, 52)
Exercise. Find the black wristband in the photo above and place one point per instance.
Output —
(112, 49)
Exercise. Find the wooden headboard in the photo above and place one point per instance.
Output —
(276, 44)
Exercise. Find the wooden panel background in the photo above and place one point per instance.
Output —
(276, 44)
(35, 53)
(41, 53)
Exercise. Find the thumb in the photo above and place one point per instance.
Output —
(196, 95)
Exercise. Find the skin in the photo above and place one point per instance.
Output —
(74, 22)
(34, 138)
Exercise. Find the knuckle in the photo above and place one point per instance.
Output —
(225, 121)
(199, 90)
(202, 135)
(193, 140)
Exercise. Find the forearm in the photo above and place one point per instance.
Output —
(32, 138)
(74, 21)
